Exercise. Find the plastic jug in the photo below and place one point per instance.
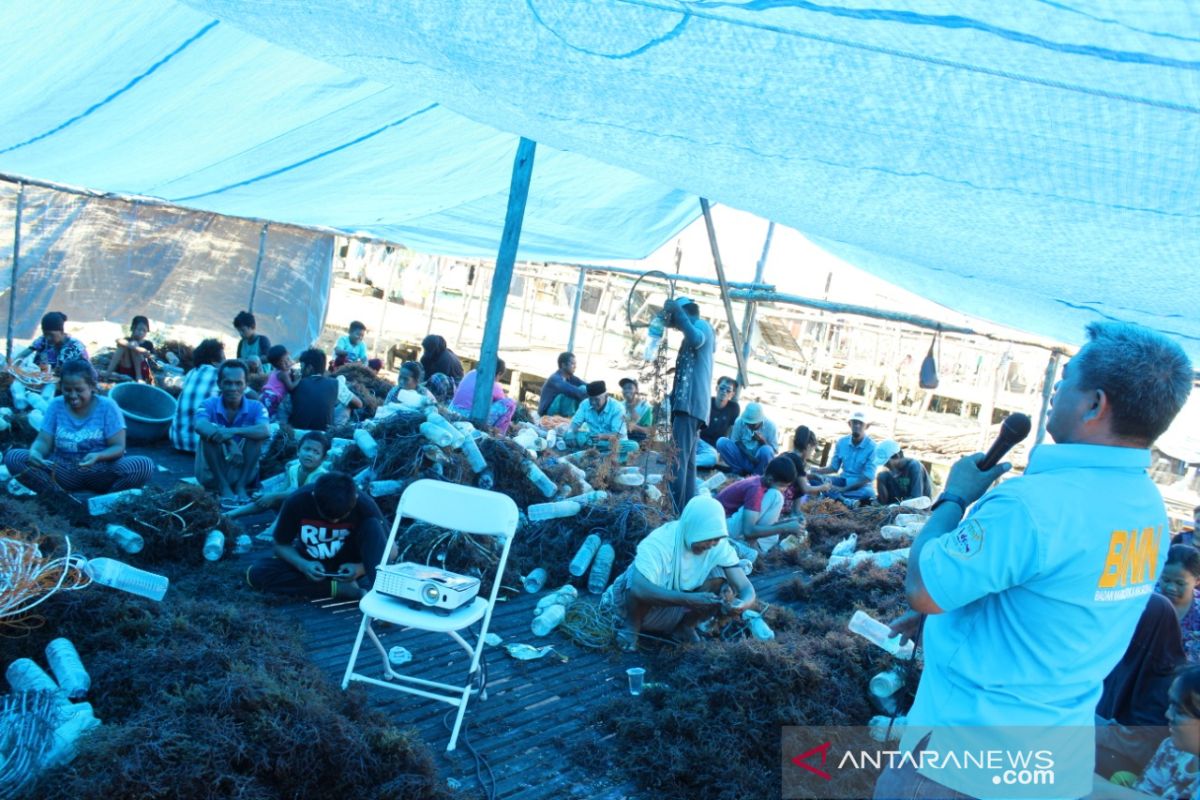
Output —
(67, 667)
(127, 540)
(583, 556)
(556, 510)
(879, 634)
(601, 569)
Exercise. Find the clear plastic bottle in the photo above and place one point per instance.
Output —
(474, 457)
(104, 503)
(214, 546)
(556, 510)
(68, 669)
(543, 483)
(563, 596)
(601, 569)
(758, 626)
(24, 675)
(242, 545)
(654, 337)
(548, 620)
(118, 575)
(880, 635)
(653, 493)
(715, 481)
(436, 434)
(882, 560)
(127, 540)
(534, 581)
(918, 503)
(366, 443)
(886, 684)
(893, 532)
(583, 556)
(385, 488)
(594, 496)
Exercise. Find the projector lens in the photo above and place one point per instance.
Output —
(430, 594)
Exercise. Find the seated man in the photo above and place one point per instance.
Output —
(563, 391)
(639, 414)
(854, 458)
(327, 536)
(678, 577)
(232, 429)
(752, 507)
(904, 477)
(751, 444)
(722, 412)
(601, 422)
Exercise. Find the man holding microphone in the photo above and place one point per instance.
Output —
(1028, 603)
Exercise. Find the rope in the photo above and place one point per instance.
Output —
(27, 723)
(27, 578)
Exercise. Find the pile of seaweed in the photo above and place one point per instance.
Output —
(173, 522)
(182, 351)
(279, 451)
(369, 387)
(210, 694)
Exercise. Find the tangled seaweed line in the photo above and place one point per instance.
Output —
(27, 723)
(590, 625)
(27, 578)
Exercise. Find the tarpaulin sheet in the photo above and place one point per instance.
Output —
(1028, 162)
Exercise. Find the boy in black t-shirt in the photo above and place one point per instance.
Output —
(327, 537)
(722, 413)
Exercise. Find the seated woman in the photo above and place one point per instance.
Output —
(1177, 582)
(308, 465)
(135, 356)
(678, 577)
(752, 507)
(82, 442)
(503, 407)
(442, 368)
(54, 347)
(804, 446)
(410, 379)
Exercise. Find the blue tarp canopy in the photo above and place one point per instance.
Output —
(1029, 162)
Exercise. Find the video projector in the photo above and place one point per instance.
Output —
(426, 586)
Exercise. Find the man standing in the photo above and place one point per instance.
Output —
(689, 394)
(904, 478)
(1033, 598)
(752, 443)
(721, 414)
(232, 429)
(854, 457)
(563, 391)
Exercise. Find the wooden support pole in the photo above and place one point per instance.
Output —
(1047, 390)
(437, 284)
(466, 312)
(262, 249)
(579, 290)
(743, 378)
(387, 298)
(16, 257)
(518, 193)
(751, 307)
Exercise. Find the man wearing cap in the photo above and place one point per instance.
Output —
(601, 416)
(690, 392)
(854, 458)
(904, 478)
(751, 444)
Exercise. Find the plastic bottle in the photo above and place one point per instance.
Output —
(214, 546)
(556, 510)
(601, 569)
(68, 669)
(595, 496)
(654, 336)
(758, 626)
(583, 556)
(653, 493)
(242, 545)
(792, 542)
(366, 443)
(564, 596)
(474, 457)
(715, 482)
(919, 503)
(275, 483)
(886, 684)
(579, 474)
(19, 396)
(385, 488)
(543, 483)
(80, 720)
(127, 540)
(363, 477)
(118, 575)
(893, 532)
(527, 438)
(905, 520)
(548, 620)
(104, 503)
(5, 475)
(457, 437)
(882, 560)
(846, 546)
(887, 728)
(436, 434)
(534, 581)
(24, 675)
(880, 635)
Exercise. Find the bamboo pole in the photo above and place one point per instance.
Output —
(743, 378)
(16, 257)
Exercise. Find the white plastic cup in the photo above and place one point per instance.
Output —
(637, 680)
(548, 620)
(601, 569)
(68, 669)
(886, 684)
(214, 546)
(880, 635)
(584, 555)
(24, 675)
(127, 540)
(534, 581)
(556, 510)
(117, 575)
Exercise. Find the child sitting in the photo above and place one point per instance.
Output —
(1173, 772)
(351, 349)
(135, 356)
(280, 382)
(752, 507)
(306, 468)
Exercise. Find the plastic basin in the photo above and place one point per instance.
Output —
(148, 410)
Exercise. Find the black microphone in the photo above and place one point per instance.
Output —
(1014, 428)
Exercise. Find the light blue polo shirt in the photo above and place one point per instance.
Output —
(1042, 586)
(611, 419)
(856, 461)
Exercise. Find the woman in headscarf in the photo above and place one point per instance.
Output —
(676, 578)
(438, 359)
(1131, 716)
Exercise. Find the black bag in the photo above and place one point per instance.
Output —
(929, 376)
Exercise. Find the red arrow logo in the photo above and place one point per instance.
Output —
(823, 749)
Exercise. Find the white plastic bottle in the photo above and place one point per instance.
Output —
(886, 684)
(882, 560)
(918, 503)
(214, 546)
(601, 569)
(474, 457)
(653, 493)
(587, 498)
(654, 337)
(716, 481)
(24, 675)
(583, 556)
(539, 478)
(104, 503)
(366, 443)
(436, 434)
(759, 628)
(879, 634)
(893, 532)
(68, 669)
(548, 620)
(117, 575)
(564, 596)
(385, 488)
(127, 540)
(557, 510)
(534, 581)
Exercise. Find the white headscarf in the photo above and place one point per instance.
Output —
(703, 519)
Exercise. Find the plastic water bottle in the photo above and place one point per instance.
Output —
(907, 520)
(882, 560)
(654, 333)
(918, 503)
(436, 434)
(457, 437)
(534, 581)
(886, 684)
(275, 483)
(716, 481)
(548, 620)
(36, 418)
(884, 728)
(564, 596)
(879, 634)
(104, 503)
(893, 532)
(214, 546)
(587, 498)
(385, 488)
(118, 575)
(543, 483)
(366, 443)
(363, 477)
(653, 493)
(557, 510)
(242, 545)
(67, 667)
(474, 457)
(601, 569)
(759, 628)
(526, 437)
(127, 540)
(19, 396)
(24, 675)
(583, 556)
(846, 546)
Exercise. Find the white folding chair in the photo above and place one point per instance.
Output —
(457, 508)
